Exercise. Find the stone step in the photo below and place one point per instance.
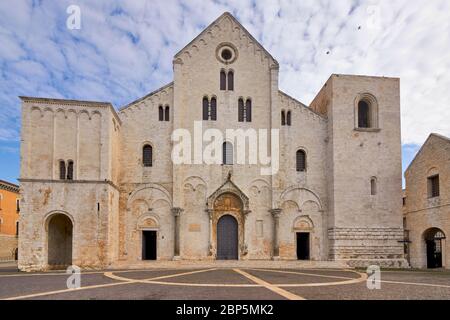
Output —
(268, 264)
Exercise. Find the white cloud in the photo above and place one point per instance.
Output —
(125, 48)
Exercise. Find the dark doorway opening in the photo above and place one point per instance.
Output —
(302, 245)
(433, 239)
(227, 238)
(60, 242)
(148, 245)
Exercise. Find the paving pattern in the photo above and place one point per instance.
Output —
(225, 283)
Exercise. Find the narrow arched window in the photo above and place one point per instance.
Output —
(283, 118)
(288, 118)
(301, 161)
(62, 170)
(227, 153)
(363, 114)
(17, 228)
(161, 113)
(167, 114)
(213, 109)
(223, 80)
(147, 155)
(241, 110)
(230, 80)
(70, 170)
(248, 110)
(205, 109)
(373, 186)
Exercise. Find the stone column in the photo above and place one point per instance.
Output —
(276, 222)
(210, 247)
(176, 213)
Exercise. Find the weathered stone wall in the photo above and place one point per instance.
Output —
(88, 206)
(8, 247)
(423, 213)
(355, 156)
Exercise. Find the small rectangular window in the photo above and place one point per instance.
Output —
(433, 186)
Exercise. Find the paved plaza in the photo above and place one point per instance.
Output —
(229, 283)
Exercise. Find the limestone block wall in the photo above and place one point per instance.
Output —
(88, 205)
(422, 212)
(354, 157)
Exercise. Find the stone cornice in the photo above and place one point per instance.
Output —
(71, 102)
(72, 181)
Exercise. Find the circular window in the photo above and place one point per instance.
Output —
(226, 53)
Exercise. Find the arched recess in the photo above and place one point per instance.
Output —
(300, 195)
(435, 247)
(59, 227)
(371, 104)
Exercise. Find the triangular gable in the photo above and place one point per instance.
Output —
(428, 141)
(211, 27)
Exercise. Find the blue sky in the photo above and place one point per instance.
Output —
(124, 50)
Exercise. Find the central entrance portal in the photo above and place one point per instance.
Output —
(227, 238)
(148, 245)
(303, 245)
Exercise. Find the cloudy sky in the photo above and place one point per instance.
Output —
(124, 50)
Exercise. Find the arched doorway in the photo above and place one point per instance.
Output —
(227, 238)
(434, 243)
(59, 241)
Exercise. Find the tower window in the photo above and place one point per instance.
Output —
(147, 155)
(248, 110)
(62, 170)
(205, 106)
(230, 81)
(433, 186)
(167, 114)
(363, 114)
(213, 109)
(283, 118)
(373, 186)
(288, 118)
(161, 113)
(301, 161)
(227, 153)
(223, 80)
(70, 170)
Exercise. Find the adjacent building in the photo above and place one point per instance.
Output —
(100, 187)
(9, 220)
(427, 205)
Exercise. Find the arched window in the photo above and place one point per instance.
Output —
(363, 114)
(283, 118)
(248, 110)
(213, 111)
(227, 153)
(17, 228)
(62, 170)
(223, 80)
(288, 118)
(167, 114)
(161, 113)
(301, 161)
(205, 107)
(147, 155)
(373, 186)
(70, 170)
(230, 80)
(241, 110)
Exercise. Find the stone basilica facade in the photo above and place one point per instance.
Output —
(99, 187)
